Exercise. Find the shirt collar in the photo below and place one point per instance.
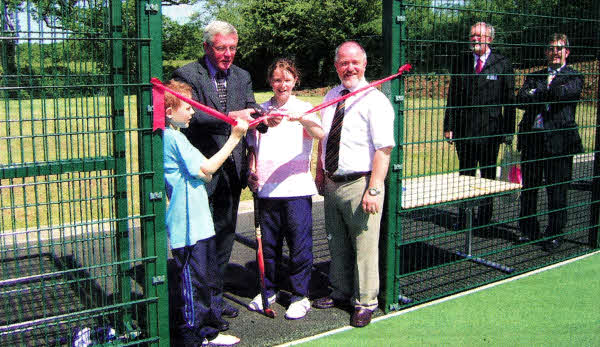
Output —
(555, 71)
(212, 70)
(360, 84)
(482, 57)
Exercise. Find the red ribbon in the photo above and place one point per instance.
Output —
(401, 70)
(158, 105)
(158, 95)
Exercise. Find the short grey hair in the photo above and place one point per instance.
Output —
(489, 29)
(337, 49)
(217, 27)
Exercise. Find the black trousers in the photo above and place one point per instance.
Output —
(538, 169)
(224, 202)
(473, 155)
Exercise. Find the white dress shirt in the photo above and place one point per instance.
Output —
(368, 126)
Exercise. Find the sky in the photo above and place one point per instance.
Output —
(181, 13)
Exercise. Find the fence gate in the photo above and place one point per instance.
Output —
(82, 242)
(428, 252)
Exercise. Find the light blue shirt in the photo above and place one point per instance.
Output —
(188, 216)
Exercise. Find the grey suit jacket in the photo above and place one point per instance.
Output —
(209, 134)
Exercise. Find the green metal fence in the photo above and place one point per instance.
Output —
(80, 174)
(427, 253)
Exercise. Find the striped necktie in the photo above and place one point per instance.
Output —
(221, 80)
(333, 141)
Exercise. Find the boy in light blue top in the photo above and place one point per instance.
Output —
(190, 226)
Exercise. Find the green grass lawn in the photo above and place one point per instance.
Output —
(558, 307)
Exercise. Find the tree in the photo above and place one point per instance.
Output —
(307, 31)
(181, 41)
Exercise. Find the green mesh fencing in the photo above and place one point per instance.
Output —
(81, 255)
(437, 242)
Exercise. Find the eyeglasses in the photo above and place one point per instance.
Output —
(555, 48)
(222, 49)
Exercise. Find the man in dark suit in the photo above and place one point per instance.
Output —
(548, 139)
(219, 84)
(482, 84)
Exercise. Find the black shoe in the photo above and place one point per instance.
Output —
(361, 317)
(551, 245)
(323, 303)
(221, 325)
(329, 302)
(230, 311)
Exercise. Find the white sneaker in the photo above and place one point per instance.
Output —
(257, 305)
(298, 309)
(221, 340)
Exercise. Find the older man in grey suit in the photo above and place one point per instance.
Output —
(219, 84)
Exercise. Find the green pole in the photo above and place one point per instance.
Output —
(393, 21)
(152, 195)
(119, 153)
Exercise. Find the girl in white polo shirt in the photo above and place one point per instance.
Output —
(280, 175)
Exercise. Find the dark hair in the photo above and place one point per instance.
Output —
(180, 87)
(285, 64)
(558, 37)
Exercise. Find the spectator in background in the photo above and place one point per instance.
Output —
(280, 176)
(548, 139)
(219, 84)
(481, 86)
(353, 162)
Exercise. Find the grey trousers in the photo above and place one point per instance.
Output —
(353, 237)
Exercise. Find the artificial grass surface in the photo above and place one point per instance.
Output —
(559, 307)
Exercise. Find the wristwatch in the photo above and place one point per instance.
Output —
(374, 191)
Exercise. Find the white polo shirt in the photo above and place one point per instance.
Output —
(368, 126)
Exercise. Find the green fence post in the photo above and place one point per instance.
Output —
(120, 171)
(152, 195)
(594, 240)
(391, 223)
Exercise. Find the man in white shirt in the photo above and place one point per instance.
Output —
(353, 161)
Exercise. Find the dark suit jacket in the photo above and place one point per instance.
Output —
(209, 134)
(475, 101)
(560, 133)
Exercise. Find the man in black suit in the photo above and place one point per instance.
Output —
(219, 84)
(548, 139)
(482, 84)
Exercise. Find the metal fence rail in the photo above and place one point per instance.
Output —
(80, 254)
(427, 253)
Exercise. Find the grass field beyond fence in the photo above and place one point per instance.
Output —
(36, 131)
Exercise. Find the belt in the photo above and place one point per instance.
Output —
(347, 178)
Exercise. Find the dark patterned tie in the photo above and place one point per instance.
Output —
(333, 141)
(221, 80)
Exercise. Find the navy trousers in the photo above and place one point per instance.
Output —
(198, 282)
(289, 219)
(223, 203)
